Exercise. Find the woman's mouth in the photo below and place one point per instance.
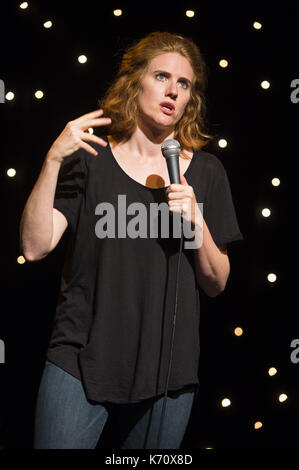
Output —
(167, 108)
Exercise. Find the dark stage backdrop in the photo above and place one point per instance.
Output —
(260, 127)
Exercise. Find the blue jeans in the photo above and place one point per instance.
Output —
(65, 419)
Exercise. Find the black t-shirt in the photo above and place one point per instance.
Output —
(113, 323)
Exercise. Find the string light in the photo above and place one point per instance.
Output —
(258, 425)
(24, 5)
(11, 172)
(48, 24)
(117, 12)
(238, 331)
(223, 63)
(90, 130)
(82, 59)
(222, 143)
(271, 277)
(282, 397)
(21, 259)
(275, 181)
(225, 402)
(257, 25)
(272, 371)
(266, 212)
(265, 84)
(9, 95)
(190, 13)
(38, 94)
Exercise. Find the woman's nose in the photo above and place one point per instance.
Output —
(171, 89)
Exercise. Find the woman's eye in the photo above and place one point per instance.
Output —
(183, 84)
(160, 76)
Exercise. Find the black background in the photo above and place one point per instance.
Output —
(261, 129)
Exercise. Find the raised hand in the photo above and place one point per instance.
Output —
(75, 134)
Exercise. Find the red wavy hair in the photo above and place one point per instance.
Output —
(120, 103)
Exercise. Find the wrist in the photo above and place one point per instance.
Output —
(198, 221)
(51, 157)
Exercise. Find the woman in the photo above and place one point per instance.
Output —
(111, 341)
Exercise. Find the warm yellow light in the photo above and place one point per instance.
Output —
(48, 24)
(258, 425)
(11, 172)
(222, 143)
(190, 13)
(223, 63)
(82, 59)
(275, 181)
(271, 277)
(38, 94)
(266, 212)
(238, 331)
(272, 371)
(282, 397)
(265, 84)
(9, 95)
(117, 12)
(21, 259)
(226, 402)
(257, 25)
(90, 130)
(24, 5)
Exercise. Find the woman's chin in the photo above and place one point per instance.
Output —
(161, 125)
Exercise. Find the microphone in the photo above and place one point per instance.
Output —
(171, 150)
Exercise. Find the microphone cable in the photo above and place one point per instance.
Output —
(171, 148)
(172, 340)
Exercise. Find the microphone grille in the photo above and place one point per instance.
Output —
(171, 148)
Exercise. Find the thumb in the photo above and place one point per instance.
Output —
(183, 180)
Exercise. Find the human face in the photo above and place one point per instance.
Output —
(165, 91)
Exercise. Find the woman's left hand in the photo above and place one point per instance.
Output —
(181, 198)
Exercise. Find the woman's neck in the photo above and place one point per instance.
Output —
(144, 144)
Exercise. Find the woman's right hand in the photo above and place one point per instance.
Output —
(75, 134)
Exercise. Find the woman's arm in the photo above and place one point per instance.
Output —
(211, 262)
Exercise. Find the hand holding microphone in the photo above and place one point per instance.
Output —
(181, 197)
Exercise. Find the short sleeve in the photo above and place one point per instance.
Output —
(218, 209)
(71, 186)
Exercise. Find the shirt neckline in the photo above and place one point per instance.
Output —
(137, 182)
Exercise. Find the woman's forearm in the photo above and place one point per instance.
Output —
(36, 226)
(212, 264)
